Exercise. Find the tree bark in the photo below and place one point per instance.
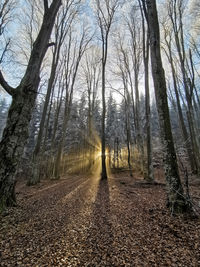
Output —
(105, 18)
(192, 158)
(176, 200)
(176, 17)
(16, 131)
(145, 40)
(103, 141)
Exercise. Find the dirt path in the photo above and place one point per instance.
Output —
(82, 221)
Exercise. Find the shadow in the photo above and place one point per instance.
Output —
(128, 186)
(98, 245)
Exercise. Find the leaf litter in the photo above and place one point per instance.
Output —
(82, 221)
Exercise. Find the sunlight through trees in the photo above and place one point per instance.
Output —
(100, 87)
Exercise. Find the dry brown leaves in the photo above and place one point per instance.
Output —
(80, 221)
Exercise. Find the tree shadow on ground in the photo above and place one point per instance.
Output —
(99, 240)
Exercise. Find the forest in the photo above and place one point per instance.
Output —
(99, 133)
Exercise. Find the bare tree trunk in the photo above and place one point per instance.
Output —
(70, 78)
(16, 131)
(47, 129)
(61, 30)
(127, 121)
(176, 17)
(105, 18)
(91, 75)
(187, 143)
(103, 141)
(136, 60)
(176, 200)
(57, 112)
(128, 142)
(145, 39)
(150, 175)
(57, 171)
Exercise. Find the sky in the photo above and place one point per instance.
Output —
(13, 72)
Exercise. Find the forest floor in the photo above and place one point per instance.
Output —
(82, 221)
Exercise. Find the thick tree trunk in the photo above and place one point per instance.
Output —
(13, 141)
(16, 131)
(176, 200)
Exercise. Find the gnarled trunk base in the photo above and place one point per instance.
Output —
(12, 145)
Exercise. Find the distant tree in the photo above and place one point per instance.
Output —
(111, 123)
(91, 77)
(3, 114)
(177, 101)
(34, 128)
(63, 23)
(134, 28)
(176, 11)
(123, 73)
(75, 50)
(105, 11)
(7, 9)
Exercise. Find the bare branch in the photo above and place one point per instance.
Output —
(46, 6)
(5, 85)
(51, 44)
(5, 50)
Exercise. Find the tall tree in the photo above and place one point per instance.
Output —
(71, 69)
(124, 74)
(23, 100)
(186, 138)
(63, 23)
(134, 28)
(145, 42)
(91, 74)
(176, 200)
(105, 11)
(176, 10)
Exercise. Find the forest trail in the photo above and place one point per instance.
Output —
(82, 221)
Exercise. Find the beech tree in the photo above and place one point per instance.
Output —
(23, 100)
(145, 45)
(176, 12)
(176, 201)
(105, 11)
(91, 74)
(63, 22)
(124, 73)
(185, 134)
(134, 28)
(74, 55)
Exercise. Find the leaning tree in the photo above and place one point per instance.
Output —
(23, 100)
